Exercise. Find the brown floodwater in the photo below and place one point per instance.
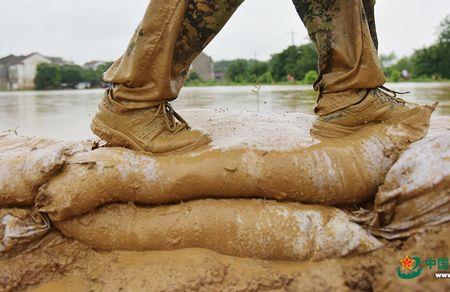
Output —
(66, 114)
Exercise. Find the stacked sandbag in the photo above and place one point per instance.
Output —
(416, 193)
(251, 156)
(27, 163)
(244, 228)
(20, 226)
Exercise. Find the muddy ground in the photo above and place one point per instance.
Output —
(56, 263)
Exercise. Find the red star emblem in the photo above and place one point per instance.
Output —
(407, 263)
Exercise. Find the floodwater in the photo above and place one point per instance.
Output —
(66, 114)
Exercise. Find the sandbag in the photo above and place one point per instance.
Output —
(416, 193)
(20, 226)
(27, 163)
(244, 228)
(252, 155)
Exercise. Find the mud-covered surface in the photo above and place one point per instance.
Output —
(414, 197)
(58, 264)
(261, 229)
(332, 172)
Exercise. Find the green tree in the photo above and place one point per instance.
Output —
(310, 77)
(48, 76)
(221, 66)
(295, 61)
(404, 63)
(265, 78)
(395, 76)
(103, 68)
(444, 28)
(282, 64)
(71, 75)
(307, 61)
(244, 71)
(91, 76)
(434, 61)
(238, 71)
(257, 68)
(387, 62)
(97, 79)
(193, 76)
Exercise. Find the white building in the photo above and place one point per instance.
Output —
(94, 64)
(203, 65)
(18, 72)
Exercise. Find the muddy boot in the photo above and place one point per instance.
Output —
(377, 106)
(154, 130)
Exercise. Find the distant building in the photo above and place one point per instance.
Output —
(18, 72)
(93, 65)
(203, 65)
(220, 76)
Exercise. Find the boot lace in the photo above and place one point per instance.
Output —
(392, 94)
(173, 121)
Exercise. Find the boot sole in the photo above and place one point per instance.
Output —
(113, 137)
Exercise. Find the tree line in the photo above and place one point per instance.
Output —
(299, 63)
(428, 63)
(53, 76)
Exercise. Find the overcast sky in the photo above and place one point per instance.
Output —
(85, 30)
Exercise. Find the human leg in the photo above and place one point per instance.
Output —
(170, 36)
(344, 34)
(135, 112)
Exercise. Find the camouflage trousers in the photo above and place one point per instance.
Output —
(174, 32)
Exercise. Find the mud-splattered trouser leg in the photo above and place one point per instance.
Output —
(171, 35)
(344, 34)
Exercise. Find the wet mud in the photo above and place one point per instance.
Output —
(137, 242)
(57, 263)
(268, 163)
